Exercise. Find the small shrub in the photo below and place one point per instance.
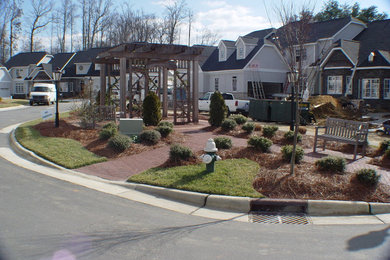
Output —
(384, 146)
(258, 127)
(289, 136)
(120, 142)
(150, 136)
(166, 123)
(223, 142)
(107, 133)
(164, 130)
(302, 130)
(248, 127)
(269, 130)
(178, 152)
(260, 143)
(287, 153)
(387, 154)
(110, 125)
(331, 164)
(218, 109)
(240, 119)
(368, 177)
(228, 124)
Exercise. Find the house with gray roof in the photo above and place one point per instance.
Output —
(20, 67)
(5, 82)
(360, 69)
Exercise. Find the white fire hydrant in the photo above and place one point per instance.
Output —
(210, 157)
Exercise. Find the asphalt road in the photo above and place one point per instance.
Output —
(46, 218)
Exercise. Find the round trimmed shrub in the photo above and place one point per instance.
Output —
(368, 177)
(287, 153)
(107, 133)
(223, 142)
(384, 146)
(165, 123)
(151, 108)
(178, 152)
(120, 142)
(331, 163)
(150, 136)
(164, 130)
(240, 119)
(110, 125)
(270, 130)
(302, 130)
(260, 143)
(248, 127)
(228, 124)
(218, 109)
(289, 136)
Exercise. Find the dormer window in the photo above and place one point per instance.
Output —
(222, 55)
(241, 52)
(371, 57)
(300, 54)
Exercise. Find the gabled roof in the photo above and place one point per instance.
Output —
(87, 56)
(207, 51)
(249, 40)
(374, 38)
(24, 59)
(229, 44)
(213, 63)
(61, 59)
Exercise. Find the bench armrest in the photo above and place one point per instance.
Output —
(318, 127)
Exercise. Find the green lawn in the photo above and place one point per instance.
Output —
(231, 177)
(62, 151)
(13, 102)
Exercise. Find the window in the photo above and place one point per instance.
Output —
(386, 88)
(18, 73)
(227, 96)
(216, 84)
(241, 53)
(70, 86)
(335, 84)
(370, 88)
(234, 83)
(19, 88)
(348, 85)
(300, 53)
(221, 54)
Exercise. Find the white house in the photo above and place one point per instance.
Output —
(5, 82)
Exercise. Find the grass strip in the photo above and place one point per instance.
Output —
(231, 177)
(62, 151)
(13, 102)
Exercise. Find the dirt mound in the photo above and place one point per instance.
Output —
(327, 106)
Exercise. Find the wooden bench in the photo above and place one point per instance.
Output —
(345, 131)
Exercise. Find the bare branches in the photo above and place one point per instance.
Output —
(39, 18)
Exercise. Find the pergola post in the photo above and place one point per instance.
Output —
(130, 88)
(122, 84)
(103, 84)
(165, 92)
(188, 90)
(195, 90)
(174, 97)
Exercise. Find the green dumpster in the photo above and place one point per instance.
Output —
(259, 110)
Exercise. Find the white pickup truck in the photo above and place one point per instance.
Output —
(234, 105)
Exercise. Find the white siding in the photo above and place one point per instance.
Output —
(5, 83)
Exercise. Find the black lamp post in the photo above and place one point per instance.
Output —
(292, 79)
(57, 77)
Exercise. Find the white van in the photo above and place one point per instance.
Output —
(43, 93)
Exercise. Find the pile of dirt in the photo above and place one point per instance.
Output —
(327, 106)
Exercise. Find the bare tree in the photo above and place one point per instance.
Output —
(14, 25)
(63, 21)
(10, 27)
(39, 17)
(290, 40)
(206, 37)
(175, 14)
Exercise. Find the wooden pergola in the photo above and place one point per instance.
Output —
(147, 66)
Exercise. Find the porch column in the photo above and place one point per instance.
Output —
(122, 84)
(165, 92)
(130, 88)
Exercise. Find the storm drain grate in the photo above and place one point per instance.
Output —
(278, 218)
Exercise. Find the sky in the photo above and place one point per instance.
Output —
(230, 19)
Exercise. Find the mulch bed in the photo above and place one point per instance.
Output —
(273, 180)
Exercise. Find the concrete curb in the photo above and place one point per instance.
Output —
(232, 203)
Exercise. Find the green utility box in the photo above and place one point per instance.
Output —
(130, 126)
(277, 111)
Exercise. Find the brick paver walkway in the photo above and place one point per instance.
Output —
(122, 168)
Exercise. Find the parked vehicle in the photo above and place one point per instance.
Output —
(43, 93)
(234, 105)
(383, 129)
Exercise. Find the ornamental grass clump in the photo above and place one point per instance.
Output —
(287, 153)
(248, 127)
(289, 136)
(120, 142)
(240, 119)
(228, 124)
(178, 152)
(331, 163)
(109, 130)
(150, 136)
(260, 143)
(368, 177)
(269, 131)
(223, 142)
